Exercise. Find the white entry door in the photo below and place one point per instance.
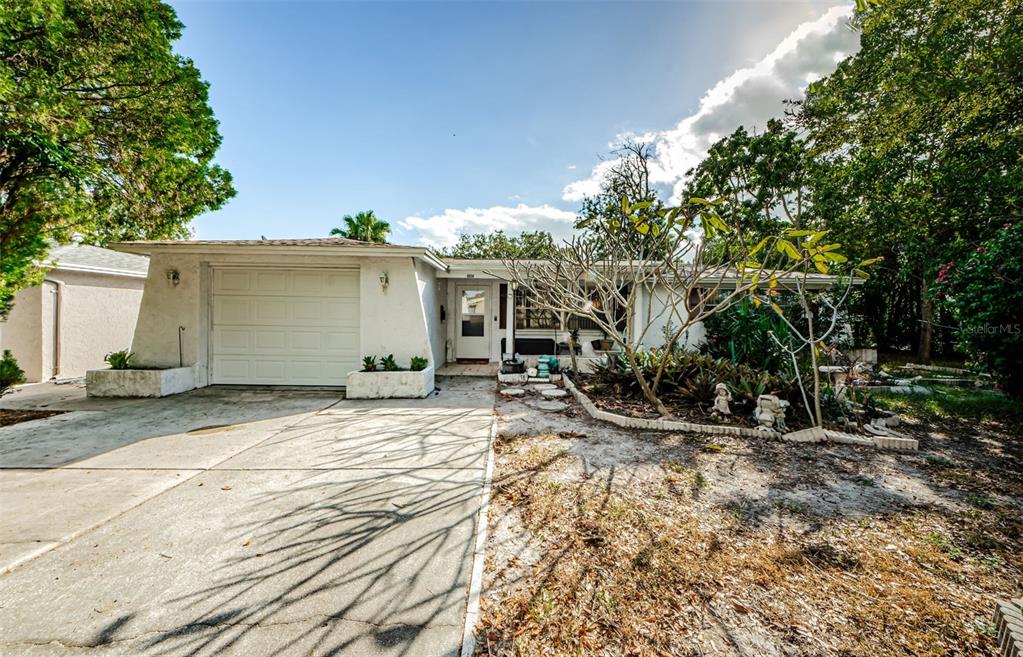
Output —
(285, 326)
(472, 332)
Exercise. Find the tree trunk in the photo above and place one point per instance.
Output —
(637, 371)
(923, 352)
(816, 372)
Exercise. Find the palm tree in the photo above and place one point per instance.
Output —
(364, 226)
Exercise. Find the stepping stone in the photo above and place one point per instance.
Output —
(513, 392)
(548, 405)
(553, 392)
(544, 386)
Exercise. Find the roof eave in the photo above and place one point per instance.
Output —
(144, 248)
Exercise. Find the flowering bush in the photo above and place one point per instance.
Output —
(984, 292)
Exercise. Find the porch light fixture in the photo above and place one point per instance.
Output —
(173, 277)
(384, 281)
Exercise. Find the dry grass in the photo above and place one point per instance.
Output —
(657, 565)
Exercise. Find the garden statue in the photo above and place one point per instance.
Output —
(721, 398)
(770, 413)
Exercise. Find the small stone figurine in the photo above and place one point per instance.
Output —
(721, 398)
(770, 413)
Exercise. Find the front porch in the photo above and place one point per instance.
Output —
(485, 317)
(469, 369)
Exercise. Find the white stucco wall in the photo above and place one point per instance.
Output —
(97, 314)
(164, 308)
(22, 332)
(661, 317)
(431, 291)
(391, 321)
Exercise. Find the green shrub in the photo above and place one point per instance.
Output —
(389, 364)
(690, 377)
(119, 360)
(10, 373)
(418, 364)
(742, 334)
(369, 363)
(984, 291)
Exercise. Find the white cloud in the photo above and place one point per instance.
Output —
(443, 229)
(749, 97)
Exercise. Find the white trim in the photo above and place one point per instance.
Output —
(211, 250)
(99, 270)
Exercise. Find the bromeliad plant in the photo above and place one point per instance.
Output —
(389, 364)
(690, 378)
(418, 364)
(369, 363)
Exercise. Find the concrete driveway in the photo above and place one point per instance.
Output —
(241, 522)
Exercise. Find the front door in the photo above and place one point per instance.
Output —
(473, 336)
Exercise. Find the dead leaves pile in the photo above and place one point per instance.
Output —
(631, 570)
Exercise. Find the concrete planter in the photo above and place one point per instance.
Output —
(389, 385)
(139, 383)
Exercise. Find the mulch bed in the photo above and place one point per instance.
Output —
(10, 416)
(682, 410)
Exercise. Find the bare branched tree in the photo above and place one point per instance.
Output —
(645, 268)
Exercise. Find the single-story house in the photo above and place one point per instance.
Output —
(85, 308)
(306, 311)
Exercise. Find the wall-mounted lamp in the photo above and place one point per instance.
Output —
(384, 281)
(173, 277)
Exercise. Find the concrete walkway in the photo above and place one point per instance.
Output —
(226, 522)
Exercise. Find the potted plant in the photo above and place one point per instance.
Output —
(605, 343)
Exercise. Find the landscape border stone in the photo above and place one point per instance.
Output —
(673, 425)
(659, 424)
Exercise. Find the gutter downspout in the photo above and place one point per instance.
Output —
(57, 302)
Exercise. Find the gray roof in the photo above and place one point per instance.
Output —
(85, 257)
(309, 241)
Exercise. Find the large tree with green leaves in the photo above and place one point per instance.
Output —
(766, 177)
(627, 175)
(363, 226)
(104, 130)
(921, 133)
(529, 245)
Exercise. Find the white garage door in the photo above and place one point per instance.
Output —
(285, 327)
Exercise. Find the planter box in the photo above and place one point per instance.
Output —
(389, 385)
(139, 383)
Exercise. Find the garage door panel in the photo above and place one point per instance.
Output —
(286, 327)
(305, 341)
(269, 341)
(232, 310)
(237, 369)
(341, 313)
(233, 340)
(232, 281)
(271, 282)
(341, 342)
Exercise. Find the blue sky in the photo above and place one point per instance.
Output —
(461, 117)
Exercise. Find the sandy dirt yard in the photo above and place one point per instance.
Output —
(604, 541)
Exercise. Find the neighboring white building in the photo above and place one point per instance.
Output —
(85, 308)
(305, 311)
